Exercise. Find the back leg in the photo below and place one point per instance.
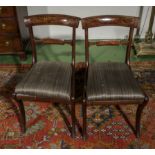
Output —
(138, 116)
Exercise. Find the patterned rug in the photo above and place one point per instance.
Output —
(46, 127)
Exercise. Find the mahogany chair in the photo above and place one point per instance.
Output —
(111, 83)
(49, 81)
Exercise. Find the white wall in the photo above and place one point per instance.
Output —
(108, 33)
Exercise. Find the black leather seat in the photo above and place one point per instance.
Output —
(112, 81)
(47, 80)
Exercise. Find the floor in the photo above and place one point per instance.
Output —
(62, 53)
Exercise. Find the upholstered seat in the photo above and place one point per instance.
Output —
(112, 81)
(47, 80)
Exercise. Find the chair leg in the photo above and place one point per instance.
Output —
(22, 115)
(138, 117)
(73, 119)
(84, 113)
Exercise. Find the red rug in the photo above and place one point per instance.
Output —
(46, 128)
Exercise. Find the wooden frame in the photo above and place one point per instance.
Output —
(50, 19)
(110, 20)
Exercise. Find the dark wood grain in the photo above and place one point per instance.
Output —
(53, 41)
(11, 40)
(7, 11)
(139, 115)
(108, 42)
(7, 44)
(52, 19)
(110, 20)
(8, 26)
(129, 45)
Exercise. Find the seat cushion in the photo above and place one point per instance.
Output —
(47, 80)
(112, 81)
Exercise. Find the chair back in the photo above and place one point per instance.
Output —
(109, 20)
(52, 19)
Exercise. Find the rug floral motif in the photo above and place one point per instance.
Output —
(46, 127)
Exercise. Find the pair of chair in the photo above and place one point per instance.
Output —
(105, 83)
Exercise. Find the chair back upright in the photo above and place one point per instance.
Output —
(109, 20)
(52, 19)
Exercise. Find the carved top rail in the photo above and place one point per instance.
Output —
(52, 19)
(110, 20)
